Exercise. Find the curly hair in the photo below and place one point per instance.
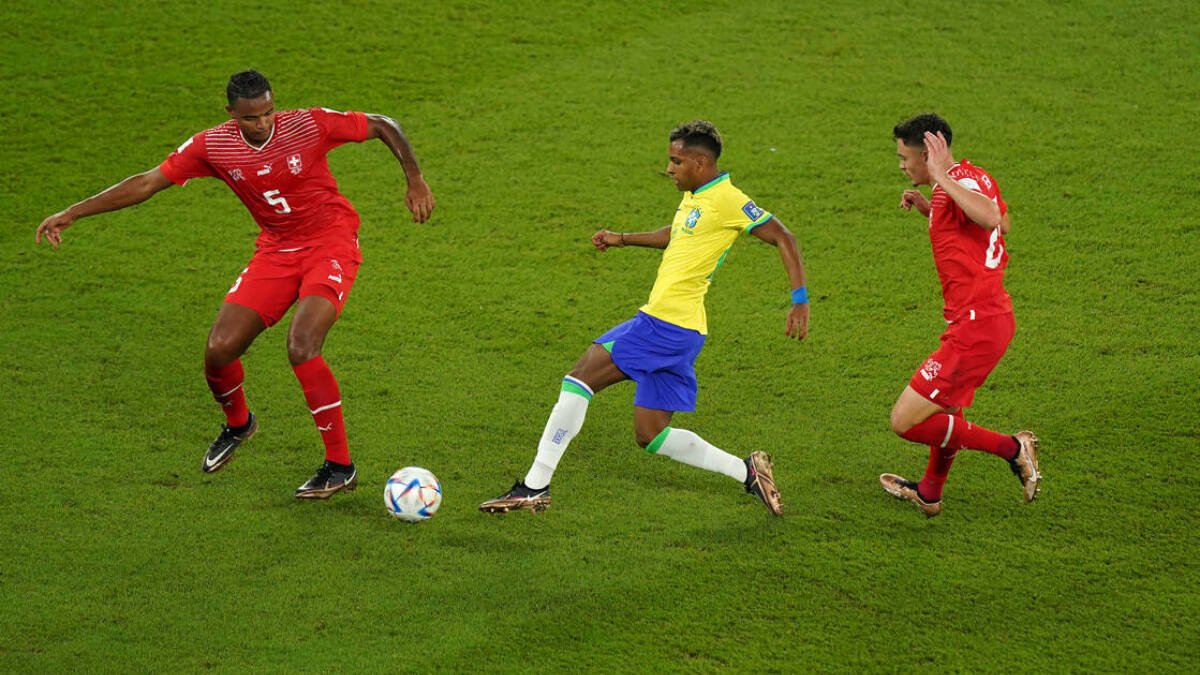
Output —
(912, 130)
(246, 84)
(698, 134)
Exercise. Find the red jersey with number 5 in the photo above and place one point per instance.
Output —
(970, 259)
(286, 184)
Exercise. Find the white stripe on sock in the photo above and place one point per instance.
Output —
(949, 430)
(323, 408)
(230, 391)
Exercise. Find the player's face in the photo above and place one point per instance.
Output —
(255, 117)
(912, 163)
(685, 166)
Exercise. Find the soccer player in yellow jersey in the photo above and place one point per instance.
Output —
(658, 347)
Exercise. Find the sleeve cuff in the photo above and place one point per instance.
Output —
(169, 171)
(360, 122)
(765, 217)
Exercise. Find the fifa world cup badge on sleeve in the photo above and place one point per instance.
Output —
(752, 212)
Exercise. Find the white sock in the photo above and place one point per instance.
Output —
(566, 419)
(685, 446)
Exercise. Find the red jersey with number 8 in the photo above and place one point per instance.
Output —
(970, 259)
(286, 184)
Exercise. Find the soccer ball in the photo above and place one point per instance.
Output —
(412, 494)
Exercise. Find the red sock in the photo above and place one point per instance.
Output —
(325, 404)
(938, 468)
(225, 382)
(940, 459)
(945, 431)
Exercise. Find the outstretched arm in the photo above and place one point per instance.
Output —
(133, 190)
(659, 238)
(419, 197)
(773, 232)
(980, 209)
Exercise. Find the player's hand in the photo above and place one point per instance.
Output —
(419, 199)
(52, 227)
(797, 321)
(914, 199)
(603, 239)
(937, 155)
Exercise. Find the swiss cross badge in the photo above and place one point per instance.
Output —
(930, 370)
(294, 164)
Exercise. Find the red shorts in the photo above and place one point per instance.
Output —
(969, 352)
(274, 280)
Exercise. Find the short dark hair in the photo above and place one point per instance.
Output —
(246, 84)
(912, 130)
(698, 134)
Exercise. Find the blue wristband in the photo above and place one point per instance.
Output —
(799, 295)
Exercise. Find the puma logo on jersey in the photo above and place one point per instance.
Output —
(265, 170)
(335, 277)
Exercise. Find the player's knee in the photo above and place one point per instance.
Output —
(900, 425)
(221, 350)
(302, 348)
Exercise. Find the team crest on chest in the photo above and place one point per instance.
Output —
(295, 165)
(693, 217)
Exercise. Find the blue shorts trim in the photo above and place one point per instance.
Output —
(659, 356)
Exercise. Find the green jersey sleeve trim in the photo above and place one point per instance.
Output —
(765, 217)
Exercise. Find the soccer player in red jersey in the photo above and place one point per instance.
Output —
(967, 223)
(307, 253)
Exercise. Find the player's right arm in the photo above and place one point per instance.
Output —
(133, 190)
(659, 238)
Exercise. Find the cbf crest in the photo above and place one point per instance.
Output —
(295, 165)
(693, 217)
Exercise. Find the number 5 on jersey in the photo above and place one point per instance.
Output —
(274, 200)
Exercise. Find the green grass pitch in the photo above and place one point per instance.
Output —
(537, 123)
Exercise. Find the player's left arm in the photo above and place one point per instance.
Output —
(774, 233)
(419, 197)
(981, 209)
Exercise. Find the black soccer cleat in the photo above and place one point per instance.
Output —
(221, 450)
(519, 497)
(328, 479)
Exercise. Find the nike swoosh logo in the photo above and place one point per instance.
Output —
(211, 462)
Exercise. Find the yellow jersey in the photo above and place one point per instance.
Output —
(705, 226)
